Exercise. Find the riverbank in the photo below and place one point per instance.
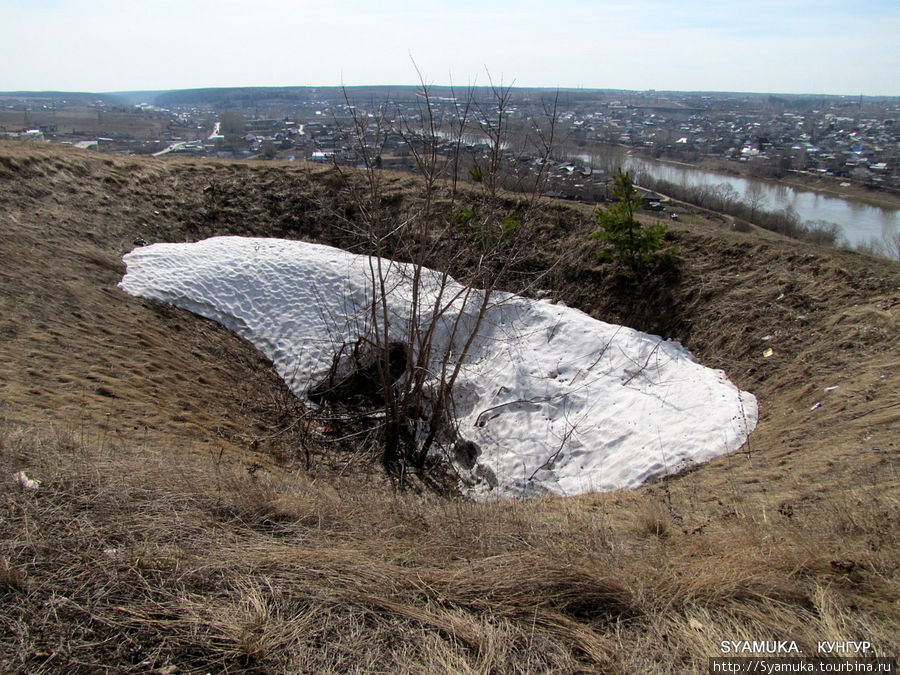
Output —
(801, 180)
(852, 216)
(835, 187)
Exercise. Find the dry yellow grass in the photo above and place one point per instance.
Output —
(134, 558)
(187, 522)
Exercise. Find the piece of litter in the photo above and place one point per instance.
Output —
(26, 482)
(837, 386)
(696, 625)
(768, 352)
(817, 405)
(766, 338)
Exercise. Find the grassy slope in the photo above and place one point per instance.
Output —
(186, 521)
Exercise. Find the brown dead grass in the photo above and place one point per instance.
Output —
(186, 522)
(140, 559)
(87, 123)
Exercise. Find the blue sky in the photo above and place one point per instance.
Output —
(787, 46)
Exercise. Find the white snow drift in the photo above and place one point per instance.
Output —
(554, 399)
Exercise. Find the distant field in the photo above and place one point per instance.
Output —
(87, 122)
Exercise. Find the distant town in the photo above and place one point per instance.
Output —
(853, 139)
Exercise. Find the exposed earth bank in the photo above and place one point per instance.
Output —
(804, 518)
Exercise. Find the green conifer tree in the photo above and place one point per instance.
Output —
(621, 235)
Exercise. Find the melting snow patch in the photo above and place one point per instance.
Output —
(552, 399)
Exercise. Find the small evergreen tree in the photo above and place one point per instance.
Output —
(622, 236)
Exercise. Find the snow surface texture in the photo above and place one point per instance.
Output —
(555, 400)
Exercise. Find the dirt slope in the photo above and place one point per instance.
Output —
(81, 357)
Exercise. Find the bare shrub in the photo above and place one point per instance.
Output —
(478, 234)
(824, 232)
(887, 246)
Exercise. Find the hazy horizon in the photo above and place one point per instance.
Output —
(819, 47)
(432, 86)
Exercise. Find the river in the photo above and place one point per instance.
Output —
(860, 222)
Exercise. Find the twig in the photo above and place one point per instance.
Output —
(643, 367)
(555, 455)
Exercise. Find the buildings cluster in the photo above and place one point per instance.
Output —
(842, 139)
(850, 138)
